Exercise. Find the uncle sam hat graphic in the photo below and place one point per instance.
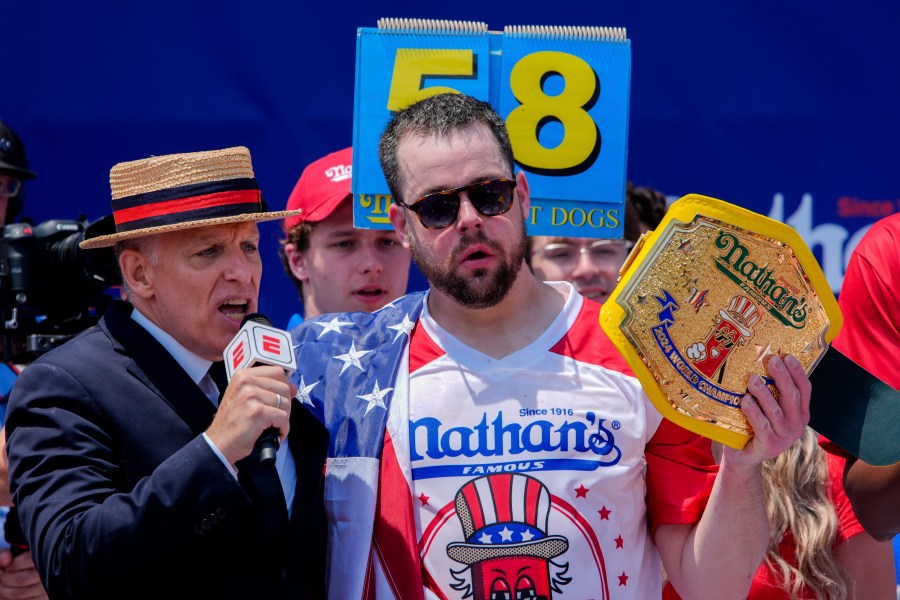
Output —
(504, 515)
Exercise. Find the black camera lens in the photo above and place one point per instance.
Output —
(50, 288)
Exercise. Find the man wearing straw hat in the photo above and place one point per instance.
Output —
(132, 460)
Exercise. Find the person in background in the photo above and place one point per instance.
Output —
(592, 265)
(817, 547)
(133, 460)
(870, 304)
(870, 337)
(14, 172)
(335, 266)
(489, 441)
(648, 205)
(18, 576)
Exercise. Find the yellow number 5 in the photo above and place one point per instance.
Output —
(412, 65)
(536, 108)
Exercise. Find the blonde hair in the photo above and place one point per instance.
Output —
(798, 500)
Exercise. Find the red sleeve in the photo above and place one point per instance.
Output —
(832, 448)
(848, 524)
(680, 475)
(869, 303)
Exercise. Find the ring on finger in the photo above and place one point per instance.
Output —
(277, 400)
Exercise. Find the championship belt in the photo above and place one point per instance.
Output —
(704, 300)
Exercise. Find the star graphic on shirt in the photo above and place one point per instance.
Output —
(505, 535)
(351, 359)
(404, 327)
(424, 499)
(486, 538)
(332, 325)
(526, 536)
(303, 392)
(376, 398)
(623, 579)
(581, 491)
(604, 513)
(620, 543)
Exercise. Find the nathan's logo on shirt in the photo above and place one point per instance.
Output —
(758, 282)
(532, 445)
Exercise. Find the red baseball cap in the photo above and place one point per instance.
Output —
(322, 186)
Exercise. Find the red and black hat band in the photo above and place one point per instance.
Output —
(171, 206)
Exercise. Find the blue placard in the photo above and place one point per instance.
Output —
(563, 91)
(396, 66)
(565, 101)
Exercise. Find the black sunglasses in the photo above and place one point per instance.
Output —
(440, 209)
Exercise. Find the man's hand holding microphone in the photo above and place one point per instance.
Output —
(256, 407)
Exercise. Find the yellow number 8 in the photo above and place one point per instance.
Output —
(581, 138)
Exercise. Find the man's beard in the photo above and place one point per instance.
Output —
(480, 290)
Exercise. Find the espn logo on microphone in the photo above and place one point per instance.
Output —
(256, 343)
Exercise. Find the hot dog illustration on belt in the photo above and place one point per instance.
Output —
(733, 327)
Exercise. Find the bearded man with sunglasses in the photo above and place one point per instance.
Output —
(487, 440)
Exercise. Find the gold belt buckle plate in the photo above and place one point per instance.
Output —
(704, 299)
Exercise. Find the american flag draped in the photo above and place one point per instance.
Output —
(352, 366)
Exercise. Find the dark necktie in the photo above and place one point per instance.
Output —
(261, 482)
(217, 374)
(264, 488)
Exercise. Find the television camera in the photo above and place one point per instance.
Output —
(50, 289)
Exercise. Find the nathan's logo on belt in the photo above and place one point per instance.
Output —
(705, 300)
(758, 281)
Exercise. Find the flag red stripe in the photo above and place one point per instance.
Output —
(395, 529)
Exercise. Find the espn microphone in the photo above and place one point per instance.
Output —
(258, 342)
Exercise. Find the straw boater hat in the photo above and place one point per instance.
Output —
(183, 191)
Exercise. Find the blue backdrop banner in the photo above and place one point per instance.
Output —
(786, 108)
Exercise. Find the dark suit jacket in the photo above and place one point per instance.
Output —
(121, 497)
